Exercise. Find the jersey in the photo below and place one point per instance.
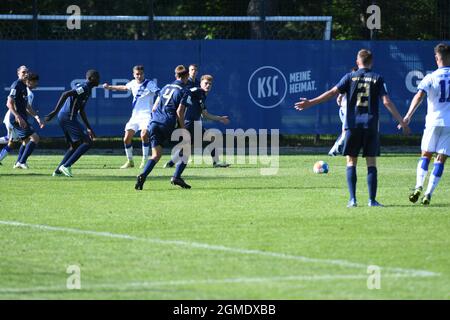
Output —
(195, 104)
(77, 102)
(363, 88)
(171, 96)
(192, 83)
(7, 119)
(143, 95)
(437, 87)
(20, 96)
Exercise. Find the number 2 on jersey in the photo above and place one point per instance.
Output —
(362, 94)
(167, 95)
(443, 91)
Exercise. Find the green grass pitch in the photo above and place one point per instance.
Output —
(235, 235)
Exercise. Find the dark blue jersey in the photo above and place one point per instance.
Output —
(363, 89)
(19, 94)
(192, 83)
(76, 102)
(195, 104)
(171, 96)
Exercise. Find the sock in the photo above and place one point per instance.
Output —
(77, 154)
(129, 151)
(66, 157)
(148, 167)
(21, 150)
(351, 181)
(4, 140)
(5, 151)
(181, 165)
(422, 170)
(214, 156)
(372, 182)
(435, 177)
(28, 150)
(145, 150)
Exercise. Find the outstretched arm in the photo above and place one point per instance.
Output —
(415, 103)
(117, 88)
(64, 96)
(305, 103)
(393, 110)
(223, 119)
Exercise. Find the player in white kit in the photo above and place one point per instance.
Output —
(436, 136)
(144, 92)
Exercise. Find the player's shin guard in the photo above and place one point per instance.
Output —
(351, 181)
(82, 149)
(27, 152)
(148, 167)
(4, 153)
(435, 177)
(372, 182)
(422, 170)
(129, 151)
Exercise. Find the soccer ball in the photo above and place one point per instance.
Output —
(320, 167)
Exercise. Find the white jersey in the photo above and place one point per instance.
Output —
(143, 95)
(437, 87)
(343, 108)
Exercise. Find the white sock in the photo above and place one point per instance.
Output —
(145, 151)
(421, 172)
(435, 177)
(129, 152)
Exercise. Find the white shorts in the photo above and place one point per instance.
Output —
(436, 139)
(11, 132)
(138, 122)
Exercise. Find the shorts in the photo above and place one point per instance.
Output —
(357, 138)
(12, 134)
(138, 122)
(19, 133)
(158, 134)
(73, 130)
(436, 139)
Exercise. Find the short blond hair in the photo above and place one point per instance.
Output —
(366, 56)
(181, 71)
(207, 77)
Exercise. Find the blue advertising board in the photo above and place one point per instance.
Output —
(256, 83)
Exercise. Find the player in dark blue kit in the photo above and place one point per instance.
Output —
(168, 111)
(363, 88)
(192, 80)
(70, 104)
(19, 108)
(195, 110)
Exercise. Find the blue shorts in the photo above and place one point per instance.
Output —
(20, 132)
(357, 138)
(73, 130)
(158, 134)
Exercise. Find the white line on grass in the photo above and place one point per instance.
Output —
(174, 283)
(205, 246)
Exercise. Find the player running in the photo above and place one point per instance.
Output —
(31, 81)
(70, 104)
(168, 111)
(143, 91)
(436, 136)
(363, 89)
(195, 110)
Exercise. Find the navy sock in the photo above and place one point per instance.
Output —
(179, 169)
(372, 182)
(66, 157)
(351, 181)
(77, 154)
(148, 167)
(21, 150)
(27, 152)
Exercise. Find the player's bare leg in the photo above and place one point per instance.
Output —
(127, 140)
